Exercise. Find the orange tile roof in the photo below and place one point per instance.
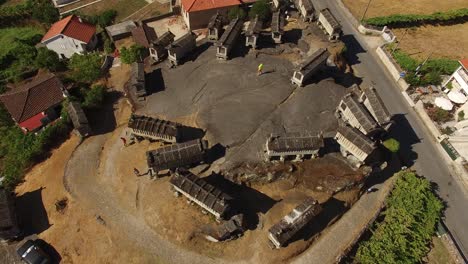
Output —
(464, 63)
(199, 5)
(71, 27)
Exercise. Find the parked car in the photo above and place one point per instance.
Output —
(31, 253)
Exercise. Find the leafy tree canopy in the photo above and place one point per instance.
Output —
(48, 59)
(261, 9)
(85, 68)
(133, 54)
(392, 144)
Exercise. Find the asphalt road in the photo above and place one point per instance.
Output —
(420, 147)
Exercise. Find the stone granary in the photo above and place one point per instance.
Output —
(215, 27)
(329, 24)
(177, 156)
(137, 80)
(228, 230)
(286, 228)
(306, 8)
(279, 3)
(79, 120)
(311, 65)
(181, 47)
(9, 228)
(293, 144)
(158, 51)
(154, 128)
(277, 27)
(200, 192)
(372, 101)
(353, 141)
(227, 41)
(354, 113)
(253, 32)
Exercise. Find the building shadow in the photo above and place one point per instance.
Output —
(402, 131)
(190, 133)
(292, 36)
(31, 212)
(246, 200)
(353, 47)
(239, 50)
(199, 50)
(155, 81)
(216, 152)
(50, 251)
(102, 120)
(332, 210)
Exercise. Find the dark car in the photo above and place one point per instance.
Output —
(31, 253)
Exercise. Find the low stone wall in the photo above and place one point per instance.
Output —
(392, 67)
(371, 31)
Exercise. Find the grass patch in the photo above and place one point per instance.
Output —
(124, 8)
(439, 253)
(12, 37)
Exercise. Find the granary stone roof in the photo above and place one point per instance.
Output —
(330, 18)
(295, 220)
(230, 34)
(277, 22)
(255, 26)
(357, 109)
(378, 107)
(294, 142)
(201, 191)
(153, 125)
(177, 155)
(357, 138)
(314, 60)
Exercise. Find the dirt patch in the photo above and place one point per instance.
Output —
(444, 41)
(385, 7)
(124, 8)
(74, 232)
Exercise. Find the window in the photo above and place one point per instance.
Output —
(343, 106)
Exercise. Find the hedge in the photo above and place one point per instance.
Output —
(402, 20)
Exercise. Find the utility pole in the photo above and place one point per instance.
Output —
(422, 64)
(365, 11)
(399, 41)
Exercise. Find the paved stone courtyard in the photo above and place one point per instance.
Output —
(239, 109)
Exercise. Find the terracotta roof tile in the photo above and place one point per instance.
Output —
(33, 98)
(199, 5)
(71, 27)
(464, 63)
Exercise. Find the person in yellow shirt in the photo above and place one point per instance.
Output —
(260, 69)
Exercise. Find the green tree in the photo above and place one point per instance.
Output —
(44, 11)
(392, 145)
(461, 115)
(133, 54)
(409, 221)
(94, 97)
(48, 59)
(108, 45)
(85, 68)
(236, 12)
(261, 8)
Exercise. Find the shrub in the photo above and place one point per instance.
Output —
(398, 20)
(47, 59)
(85, 68)
(461, 115)
(44, 11)
(409, 222)
(108, 45)
(447, 130)
(392, 145)
(439, 115)
(261, 8)
(133, 54)
(94, 97)
(236, 12)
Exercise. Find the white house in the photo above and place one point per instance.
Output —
(69, 36)
(459, 79)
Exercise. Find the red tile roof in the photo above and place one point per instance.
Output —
(71, 27)
(464, 63)
(33, 98)
(199, 5)
(33, 123)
